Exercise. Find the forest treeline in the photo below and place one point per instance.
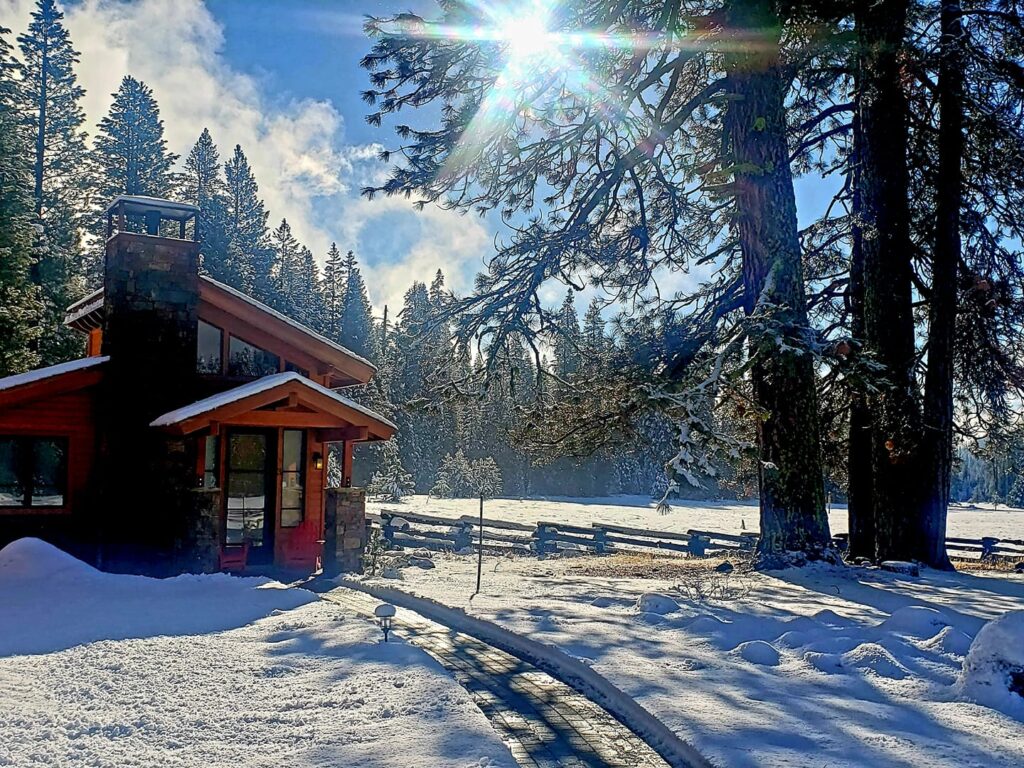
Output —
(55, 181)
(850, 355)
(636, 141)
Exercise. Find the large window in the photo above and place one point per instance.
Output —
(246, 360)
(33, 471)
(208, 348)
(293, 454)
(211, 450)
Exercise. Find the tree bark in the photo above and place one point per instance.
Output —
(887, 250)
(859, 497)
(792, 497)
(938, 392)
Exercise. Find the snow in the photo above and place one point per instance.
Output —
(264, 384)
(119, 671)
(40, 374)
(850, 666)
(965, 521)
(653, 602)
(993, 672)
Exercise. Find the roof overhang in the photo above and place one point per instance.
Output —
(282, 400)
(344, 365)
(51, 381)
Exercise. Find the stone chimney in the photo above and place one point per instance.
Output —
(151, 298)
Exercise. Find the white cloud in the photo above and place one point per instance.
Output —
(297, 150)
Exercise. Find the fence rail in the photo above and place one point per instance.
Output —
(415, 529)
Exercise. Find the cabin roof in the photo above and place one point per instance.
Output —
(272, 389)
(138, 205)
(49, 381)
(40, 374)
(87, 313)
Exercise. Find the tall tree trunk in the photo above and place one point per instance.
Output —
(859, 497)
(41, 130)
(792, 493)
(938, 391)
(887, 250)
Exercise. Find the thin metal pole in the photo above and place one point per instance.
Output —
(480, 546)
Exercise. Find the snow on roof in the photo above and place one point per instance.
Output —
(41, 374)
(84, 306)
(208, 404)
(287, 320)
(169, 209)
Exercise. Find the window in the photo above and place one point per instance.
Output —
(208, 348)
(246, 360)
(296, 369)
(210, 462)
(33, 471)
(293, 454)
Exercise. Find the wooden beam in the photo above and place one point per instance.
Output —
(343, 434)
(287, 419)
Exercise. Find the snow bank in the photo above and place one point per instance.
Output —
(655, 602)
(993, 672)
(83, 605)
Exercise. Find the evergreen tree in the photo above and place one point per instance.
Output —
(250, 257)
(355, 329)
(51, 99)
(19, 299)
(568, 339)
(333, 288)
(203, 186)
(286, 273)
(130, 151)
(391, 482)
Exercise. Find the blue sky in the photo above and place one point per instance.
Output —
(282, 78)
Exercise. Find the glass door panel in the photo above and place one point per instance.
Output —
(250, 493)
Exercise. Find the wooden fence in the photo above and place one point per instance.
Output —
(408, 529)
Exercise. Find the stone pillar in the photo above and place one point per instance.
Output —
(344, 530)
(151, 298)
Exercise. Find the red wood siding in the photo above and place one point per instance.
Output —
(69, 415)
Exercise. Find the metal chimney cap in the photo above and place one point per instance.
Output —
(140, 205)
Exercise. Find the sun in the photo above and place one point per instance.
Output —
(527, 36)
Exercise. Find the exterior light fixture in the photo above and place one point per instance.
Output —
(385, 613)
(318, 461)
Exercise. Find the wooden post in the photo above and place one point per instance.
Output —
(480, 546)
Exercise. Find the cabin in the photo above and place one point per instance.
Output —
(203, 431)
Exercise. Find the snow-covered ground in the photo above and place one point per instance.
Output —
(965, 521)
(818, 666)
(114, 671)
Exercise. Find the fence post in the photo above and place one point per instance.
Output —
(600, 540)
(387, 531)
(988, 547)
(698, 545)
(541, 536)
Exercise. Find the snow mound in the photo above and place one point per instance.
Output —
(794, 638)
(830, 618)
(873, 657)
(916, 621)
(655, 602)
(829, 663)
(706, 625)
(30, 559)
(833, 644)
(603, 602)
(950, 640)
(50, 601)
(993, 672)
(759, 652)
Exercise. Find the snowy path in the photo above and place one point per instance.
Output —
(545, 722)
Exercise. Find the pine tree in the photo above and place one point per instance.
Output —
(286, 273)
(333, 288)
(568, 339)
(355, 329)
(391, 482)
(130, 151)
(203, 186)
(249, 255)
(51, 99)
(20, 303)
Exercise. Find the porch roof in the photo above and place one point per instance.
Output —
(52, 380)
(282, 399)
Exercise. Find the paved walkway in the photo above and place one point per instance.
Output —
(544, 722)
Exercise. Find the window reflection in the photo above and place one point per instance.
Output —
(244, 359)
(208, 348)
(293, 452)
